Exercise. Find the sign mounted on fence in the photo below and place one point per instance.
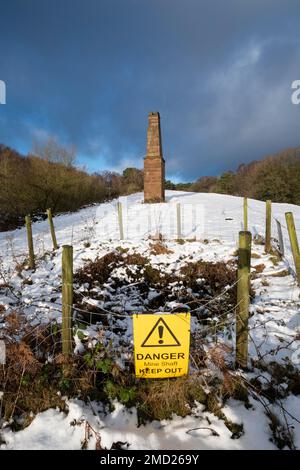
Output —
(161, 345)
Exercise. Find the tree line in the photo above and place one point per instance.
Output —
(48, 177)
(276, 177)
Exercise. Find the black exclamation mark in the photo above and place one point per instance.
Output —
(160, 332)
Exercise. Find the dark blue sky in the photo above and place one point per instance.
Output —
(89, 71)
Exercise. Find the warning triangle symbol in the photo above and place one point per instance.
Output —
(160, 336)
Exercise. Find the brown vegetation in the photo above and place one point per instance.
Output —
(276, 177)
(48, 178)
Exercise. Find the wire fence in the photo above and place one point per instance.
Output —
(198, 221)
(190, 213)
(92, 325)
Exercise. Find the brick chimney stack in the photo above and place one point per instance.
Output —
(154, 164)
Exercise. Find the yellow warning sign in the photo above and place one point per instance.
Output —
(161, 345)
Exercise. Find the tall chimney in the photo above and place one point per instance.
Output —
(154, 164)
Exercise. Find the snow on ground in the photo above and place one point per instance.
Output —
(205, 216)
(52, 430)
(211, 223)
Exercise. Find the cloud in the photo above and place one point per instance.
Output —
(219, 73)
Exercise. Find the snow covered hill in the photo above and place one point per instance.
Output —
(210, 224)
(215, 216)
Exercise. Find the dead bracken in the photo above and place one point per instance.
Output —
(154, 288)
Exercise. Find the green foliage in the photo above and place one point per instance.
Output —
(64, 385)
(97, 359)
(88, 359)
(127, 395)
(80, 334)
(110, 389)
(124, 394)
(104, 365)
(121, 249)
(183, 187)
(26, 379)
(169, 185)
(226, 183)
(81, 326)
(133, 179)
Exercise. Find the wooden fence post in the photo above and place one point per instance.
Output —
(30, 242)
(294, 242)
(268, 226)
(280, 238)
(245, 214)
(53, 236)
(67, 299)
(242, 310)
(120, 219)
(178, 213)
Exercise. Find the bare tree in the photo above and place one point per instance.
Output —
(52, 151)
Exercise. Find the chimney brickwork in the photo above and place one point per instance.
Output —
(154, 164)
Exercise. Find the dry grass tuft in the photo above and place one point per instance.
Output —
(161, 399)
(135, 259)
(259, 268)
(159, 248)
(282, 273)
